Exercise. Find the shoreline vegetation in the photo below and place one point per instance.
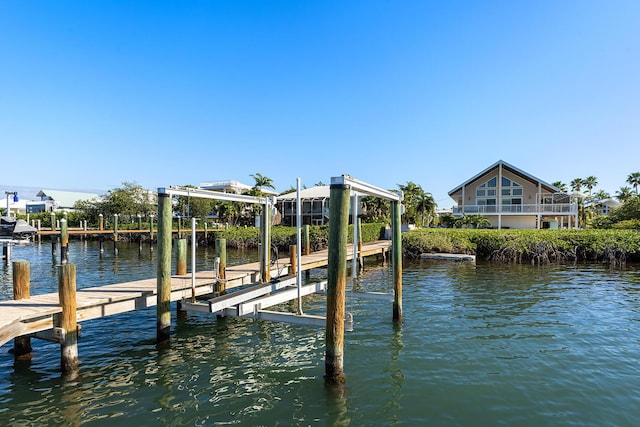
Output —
(614, 247)
(609, 246)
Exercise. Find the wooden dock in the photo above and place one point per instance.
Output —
(35, 316)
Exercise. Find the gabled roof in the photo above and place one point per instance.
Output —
(66, 198)
(317, 192)
(512, 169)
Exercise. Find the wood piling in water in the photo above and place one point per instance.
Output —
(64, 242)
(181, 257)
(265, 258)
(163, 308)
(293, 259)
(396, 253)
(336, 283)
(307, 240)
(67, 319)
(21, 290)
(221, 252)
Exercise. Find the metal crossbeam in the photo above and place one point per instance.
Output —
(217, 195)
(365, 188)
(279, 297)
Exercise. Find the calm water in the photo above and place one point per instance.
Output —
(480, 345)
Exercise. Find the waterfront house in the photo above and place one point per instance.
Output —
(314, 209)
(232, 186)
(58, 200)
(602, 206)
(512, 198)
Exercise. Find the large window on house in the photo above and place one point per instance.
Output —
(511, 192)
(486, 195)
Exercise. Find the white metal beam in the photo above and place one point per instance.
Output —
(366, 188)
(217, 195)
(279, 297)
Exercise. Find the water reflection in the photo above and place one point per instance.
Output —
(480, 345)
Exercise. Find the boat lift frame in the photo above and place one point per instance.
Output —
(252, 302)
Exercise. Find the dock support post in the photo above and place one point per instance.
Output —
(115, 234)
(6, 252)
(265, 259)
(21, 290)
(64, 241)
(307, 242)
(67, 319)
(360, 257)
(396, 253)
(336, 283)
(100, 222)
(163, 308)
(181, 257)
(221, 252)
(293, 259)
(53, 237)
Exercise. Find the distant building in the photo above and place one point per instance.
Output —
(314, 209)
(58, 200)
(232, 186)
(603, 206)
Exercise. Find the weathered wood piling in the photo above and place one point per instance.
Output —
(221, 252)
(21, 290)
(163, 308)
(336, 283)
(67, 319)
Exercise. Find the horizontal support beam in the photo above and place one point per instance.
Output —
(54, 334)
(238, 297)
(375, 296)
(365, 188)
(292, 318)
(216, 195)
(279, 297)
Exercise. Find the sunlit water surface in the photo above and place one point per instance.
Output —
(480, 345)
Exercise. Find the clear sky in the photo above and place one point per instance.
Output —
(96, 93)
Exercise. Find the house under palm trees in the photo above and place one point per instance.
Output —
(512, 198)
(314, 206)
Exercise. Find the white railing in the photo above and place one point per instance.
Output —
(567, 208)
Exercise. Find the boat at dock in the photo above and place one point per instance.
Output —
(15, 229)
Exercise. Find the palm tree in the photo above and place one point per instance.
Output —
(560, 186)
(601, 195)
(623, 194)
(411, 192)
(375, 209)
(634, 180)
(262, 181)
(576, 184)
(590, 182)
(425, 204)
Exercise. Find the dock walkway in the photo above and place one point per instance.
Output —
(35, 315)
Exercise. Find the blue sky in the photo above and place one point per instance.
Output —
(96, 93)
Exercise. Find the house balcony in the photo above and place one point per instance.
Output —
(558, 208)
